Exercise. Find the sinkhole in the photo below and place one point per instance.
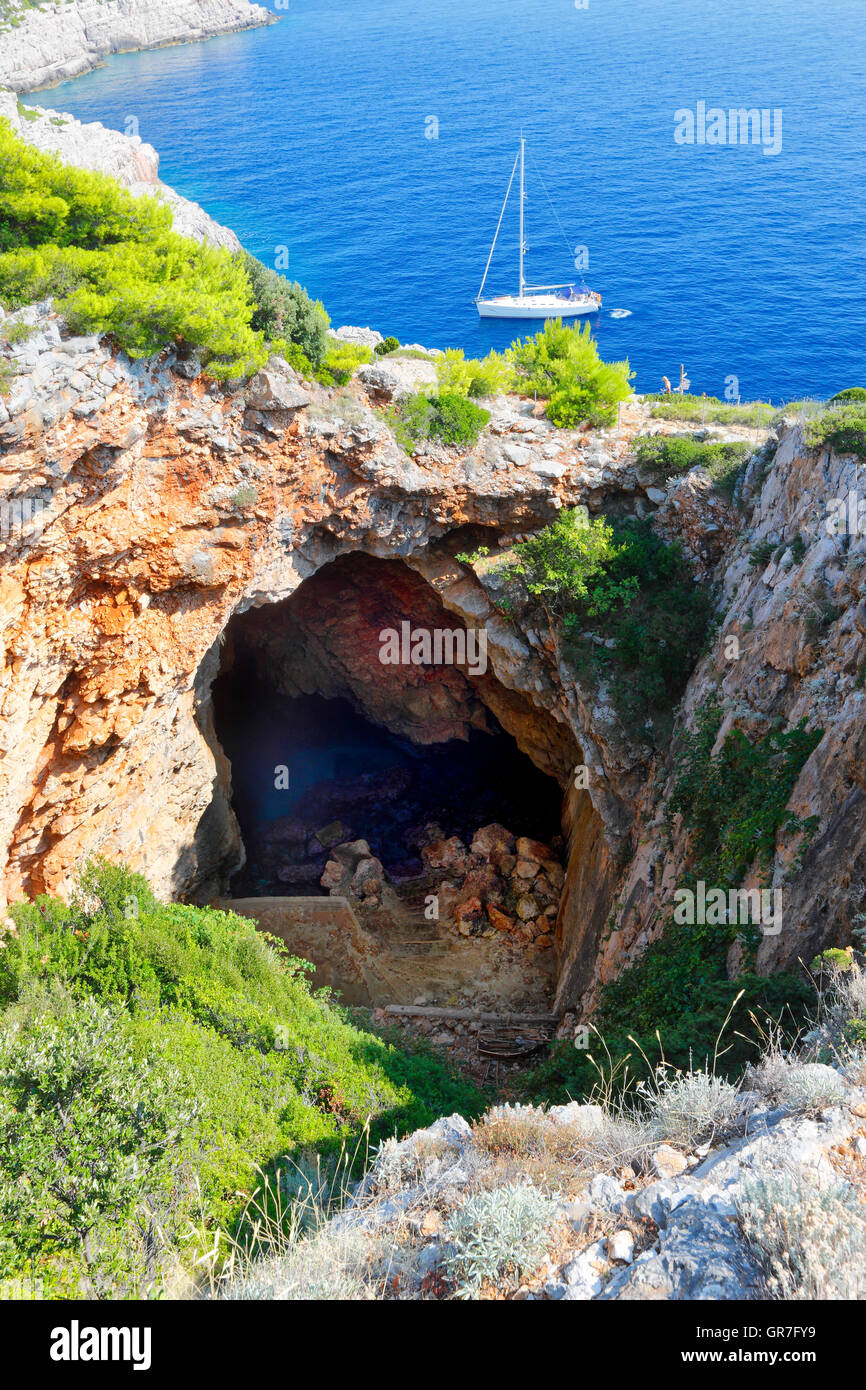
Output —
(366, 780)
(350, 779)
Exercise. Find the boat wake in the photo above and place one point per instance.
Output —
(620, 313)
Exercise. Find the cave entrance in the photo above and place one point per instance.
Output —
(367, 782)
(349, 779)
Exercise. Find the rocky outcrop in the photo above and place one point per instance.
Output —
(135, 165)
(790, 645)
(756, 1211)
(146, 507)
(41, 47)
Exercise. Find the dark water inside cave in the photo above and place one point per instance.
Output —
(381, 788)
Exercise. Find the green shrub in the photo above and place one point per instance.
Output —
(114, 265)
(853, 393)
(562, 364)
(488, 376)
(734, 802)
(340, 362)
(624, 585)
(204, 996)
(16, 331)
(447, 418)
(669, 455)
(294, 355)
(456, 420)
(842, 428)
(557, 564)
(389, 344)
(285, 313)
(90, 1149)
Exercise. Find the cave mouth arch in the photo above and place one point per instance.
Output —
(327, 744)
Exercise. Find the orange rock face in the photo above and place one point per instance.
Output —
(145, 507)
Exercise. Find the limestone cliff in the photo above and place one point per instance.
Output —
(144, 507)
(798, 624)
(44, 46)
(127, 158)
(163, 506)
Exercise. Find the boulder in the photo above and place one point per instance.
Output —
(491, 839)
(276, 387)
(446, 854)
(668, 1162)
(500, 920)
(533, 849)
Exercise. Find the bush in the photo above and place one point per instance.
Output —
(294, 355)
(497, 1236)
(447, 418)
(273, 1068)
(810, 1240)
(284, 312)
(624, 582)
(646, 602)
(389, 344)
(687, 1107)
(669, 455)
(853, 393)
(114, 265)
(90, 1143)
(557, 564)
(488, 376)
(842, 428)
(801, 1086)
(341, 361)
(563, 365)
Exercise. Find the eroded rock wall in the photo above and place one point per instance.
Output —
(790, 646)
(159, 506)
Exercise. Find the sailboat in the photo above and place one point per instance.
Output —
(532, 301)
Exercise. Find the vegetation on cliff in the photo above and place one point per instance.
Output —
(842, 427)
(733, 805)
(155, 1061)
(665, 456)
(562, 364)
(627, 604)
(114, 265)
(447, 418)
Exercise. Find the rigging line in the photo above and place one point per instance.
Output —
(552, 208)
(499, 224)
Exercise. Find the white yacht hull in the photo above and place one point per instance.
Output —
(536, 306)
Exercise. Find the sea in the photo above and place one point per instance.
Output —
(366, 145)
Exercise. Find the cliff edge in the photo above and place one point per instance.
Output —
(42, 47)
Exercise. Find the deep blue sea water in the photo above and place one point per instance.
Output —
(312, 134)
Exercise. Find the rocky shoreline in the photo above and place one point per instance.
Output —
(43, 47)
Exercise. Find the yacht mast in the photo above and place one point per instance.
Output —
(522, 143)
